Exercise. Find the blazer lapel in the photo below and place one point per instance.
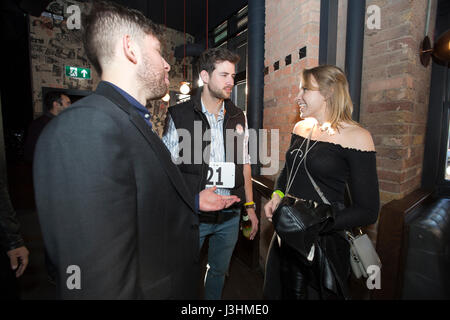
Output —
(164, 157)
(153, 139)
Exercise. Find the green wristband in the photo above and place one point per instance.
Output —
(278, 192)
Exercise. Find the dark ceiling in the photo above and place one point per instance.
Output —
(218, 11)
(169, 12)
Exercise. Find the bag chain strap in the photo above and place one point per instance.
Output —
(303, 159)
(292, 174)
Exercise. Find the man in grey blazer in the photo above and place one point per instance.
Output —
(117, 218)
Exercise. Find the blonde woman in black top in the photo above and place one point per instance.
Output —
(340, 152)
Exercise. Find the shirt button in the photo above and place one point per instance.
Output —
(147, 116)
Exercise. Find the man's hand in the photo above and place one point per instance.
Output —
(211, 201)
(271, 206)
(18, 258)
(254, 219)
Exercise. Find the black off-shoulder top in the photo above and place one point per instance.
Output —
(332, 166)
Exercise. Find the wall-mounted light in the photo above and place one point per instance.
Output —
(441, 49)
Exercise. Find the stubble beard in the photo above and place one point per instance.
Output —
(218, 94)
(153, 83)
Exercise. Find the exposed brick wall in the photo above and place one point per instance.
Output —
(52, 47)
(290, 26)
(395, 90)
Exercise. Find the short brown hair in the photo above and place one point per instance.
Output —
(210, 57)
(106, 21)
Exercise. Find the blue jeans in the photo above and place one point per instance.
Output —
(221, 245)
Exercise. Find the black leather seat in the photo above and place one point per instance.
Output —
(427, 264)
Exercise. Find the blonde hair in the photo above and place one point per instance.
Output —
(333, 85)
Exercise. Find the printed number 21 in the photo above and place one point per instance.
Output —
(210, 175)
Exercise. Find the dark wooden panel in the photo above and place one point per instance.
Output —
(391, 242)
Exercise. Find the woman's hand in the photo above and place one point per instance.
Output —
(271, 206)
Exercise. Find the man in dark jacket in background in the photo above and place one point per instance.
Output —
(54, 103)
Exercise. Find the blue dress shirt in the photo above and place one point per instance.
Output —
(139, 107)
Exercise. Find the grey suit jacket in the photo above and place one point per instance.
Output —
(113, 206)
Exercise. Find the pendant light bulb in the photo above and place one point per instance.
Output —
(184, 88)
(166, 98)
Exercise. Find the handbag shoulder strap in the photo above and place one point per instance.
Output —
(293, 171)
(324, 199)
(316, 187)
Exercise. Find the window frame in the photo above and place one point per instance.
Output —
(443, 185)
(437, 133)
(437, 125)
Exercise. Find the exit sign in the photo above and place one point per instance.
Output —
(79, 73)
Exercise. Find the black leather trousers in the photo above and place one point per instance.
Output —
(298, 278)
(291, 277)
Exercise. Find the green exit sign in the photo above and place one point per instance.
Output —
(80, 73)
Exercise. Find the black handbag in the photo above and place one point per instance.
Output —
(299, 222)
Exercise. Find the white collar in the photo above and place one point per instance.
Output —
(221, 111)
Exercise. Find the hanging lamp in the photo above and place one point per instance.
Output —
(184, 86)
(200, 81)
(166, 98)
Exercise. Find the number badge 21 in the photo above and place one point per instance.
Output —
(221, 174)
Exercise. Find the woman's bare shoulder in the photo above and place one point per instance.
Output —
(356, 137)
